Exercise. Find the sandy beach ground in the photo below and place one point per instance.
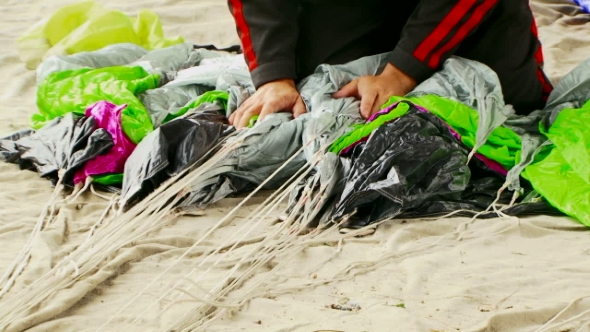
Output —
(505, 274)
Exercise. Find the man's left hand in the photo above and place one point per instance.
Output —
(374, 91)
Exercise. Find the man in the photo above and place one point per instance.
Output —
(285, 40)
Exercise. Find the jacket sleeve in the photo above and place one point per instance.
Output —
(268, 32)
(434, 31)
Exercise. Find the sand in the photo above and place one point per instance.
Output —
(505, 274)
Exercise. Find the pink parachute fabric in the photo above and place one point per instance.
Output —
(108, 117)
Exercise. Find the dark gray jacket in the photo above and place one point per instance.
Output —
(290, 38)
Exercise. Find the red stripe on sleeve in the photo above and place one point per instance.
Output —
(472, 23)
(443, 29)
(539, 53)
(547, 87)
(244, 32)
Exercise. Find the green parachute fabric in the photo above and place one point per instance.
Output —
(108, 179)
(561, 173)
(75, 90)
(502, 146)
(207, 97)
(88, 26)
(361, 131)
(253, 121)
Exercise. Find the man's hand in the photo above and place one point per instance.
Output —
(374, 91)
(272, 97)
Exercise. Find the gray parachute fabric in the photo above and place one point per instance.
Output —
(223, 73)
(9, 147)
(163, 101)
(331, 118)
(262, 150)
(571, 92)
(109, 56)
(167, 60)
(270, 143)
(327, 120)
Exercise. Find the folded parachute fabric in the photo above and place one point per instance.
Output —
(465, 98)
(271, 143)
(121, 86)
(75, 90)
(87, 26)
(573, 91)
(107, 117)
(502, 145)
(476, 87)
(166, 61)
(9, 148)
(414, 166)
(60, 148)
(109, 56)
(207, 97)
(165, 111)
(227, 73)
(361, 132)
(404, 164)
(113, 65)
(561, 173)
(163, 103)
(454, 94)
(331, 118)
(264, 149)
(172, 148)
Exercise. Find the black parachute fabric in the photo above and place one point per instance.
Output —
(171, 148)
(230, 49)
(414, 167)
(59, 148)
(9, 152)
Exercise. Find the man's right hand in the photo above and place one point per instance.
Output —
(272, 97)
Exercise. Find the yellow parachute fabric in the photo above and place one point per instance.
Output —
(88, 26)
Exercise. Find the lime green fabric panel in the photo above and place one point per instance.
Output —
(363, 130)
(561, 174)
(75, 90)
(207, 97)
(570, 133)
(253, 121)
(108, 179)
(150, 31)
(560, 185)
(88, 26)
